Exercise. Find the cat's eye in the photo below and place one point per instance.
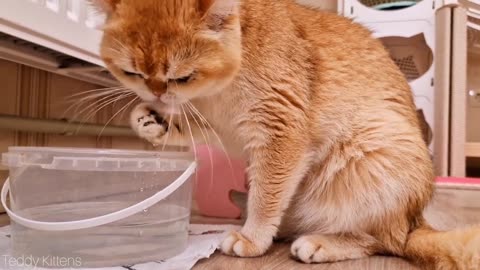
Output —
(132, 74)
(183, 80)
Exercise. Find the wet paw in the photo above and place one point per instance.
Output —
(148, 123)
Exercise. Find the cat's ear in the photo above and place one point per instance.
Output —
(216, 12)
(107, 6)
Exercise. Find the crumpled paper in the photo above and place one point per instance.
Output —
(202, 243)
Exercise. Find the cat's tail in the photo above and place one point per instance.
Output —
(450, 250)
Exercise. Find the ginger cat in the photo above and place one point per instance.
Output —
(324, 116)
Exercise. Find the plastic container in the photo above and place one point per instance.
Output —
(97, 208)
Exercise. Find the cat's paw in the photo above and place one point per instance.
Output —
(236, 244)
(148, 123)
(307, 251)
(332, 248)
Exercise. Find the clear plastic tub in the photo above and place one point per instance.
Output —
(97, 208)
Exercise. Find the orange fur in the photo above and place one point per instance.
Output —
(325, 118)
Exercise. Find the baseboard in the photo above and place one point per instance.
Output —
(469, 184)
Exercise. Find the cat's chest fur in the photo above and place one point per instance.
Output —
(239, 112)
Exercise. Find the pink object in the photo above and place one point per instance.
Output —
(216, 180)
(457, 180)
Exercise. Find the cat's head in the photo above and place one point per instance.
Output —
(186, 48)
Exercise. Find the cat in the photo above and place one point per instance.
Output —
(325, 118)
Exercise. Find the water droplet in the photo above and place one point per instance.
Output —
(145, 210)
(141, 189)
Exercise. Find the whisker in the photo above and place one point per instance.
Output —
(191, 133)
(168, 131)
(76, 106)
(224, 149)
(128, 94)
(100, 102)
(79, 101)
(189, 106)
(210, 156)
(100, 107)
(97, 95)
(181, 123)
(196, 121)
(204, 120)
(100, 90)
(123, 113)
(107, 103)
(191, 110)
(115, 115)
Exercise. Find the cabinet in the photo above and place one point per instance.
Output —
(435, 44)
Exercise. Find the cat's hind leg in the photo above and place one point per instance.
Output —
(318, 248)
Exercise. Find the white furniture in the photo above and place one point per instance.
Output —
(416, 60)
(67, 26)
(58, 28)
(473, 12)
(440, 91)
(472, 148)
(466, 48)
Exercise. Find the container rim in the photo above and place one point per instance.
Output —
(105, 151)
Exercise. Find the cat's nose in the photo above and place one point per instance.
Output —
(157, 87)
(158, 92)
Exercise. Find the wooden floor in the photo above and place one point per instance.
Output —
(278, 258)
(450, 208)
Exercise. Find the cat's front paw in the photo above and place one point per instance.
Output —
(148, 123)
(237, 244)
